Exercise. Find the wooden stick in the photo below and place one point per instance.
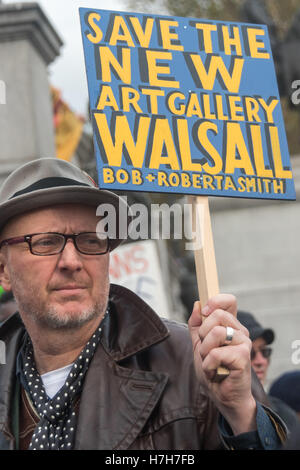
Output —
(205, 260)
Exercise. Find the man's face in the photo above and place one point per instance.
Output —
(260, 363)
(58, 291)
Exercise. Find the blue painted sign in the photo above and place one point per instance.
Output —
(185, 105)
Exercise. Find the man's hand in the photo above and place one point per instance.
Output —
(233, 395)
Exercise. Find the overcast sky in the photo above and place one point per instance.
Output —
(68, 71)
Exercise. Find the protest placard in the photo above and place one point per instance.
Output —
(187, 106)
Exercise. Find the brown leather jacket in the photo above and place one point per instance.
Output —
(140, 391)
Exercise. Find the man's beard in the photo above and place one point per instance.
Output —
(52, 317)
(55, 320)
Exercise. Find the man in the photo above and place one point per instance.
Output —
(260, 360)
(261, 339)
(287, 389)
(91, 366)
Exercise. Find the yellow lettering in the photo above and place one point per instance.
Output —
(197, 180)
(193, 106)
(256, 138)
(184, 147)
(122, 176)
(130, 96)
(269, 108)
(162, 136)
(219, 106)
(251, 184)
(167, 36)
(171, 103)
(108, 60)
(143, 36)
(203, 129)
(162, 179)
(113, 150)
(278, 186)
(229, 183)
(107, 99)
(255, 44)
(236, 144)
(95, 27)
(234, 41)
(155, 69)
(120, 32)
(108, 175)
(234, 102)
(241, 182)
(207, 78)
(206, 107)
(252, 109)
(279, 171)
(185, 180)
(136, 177)
(153, 93)
(207, 29)
(208, 182)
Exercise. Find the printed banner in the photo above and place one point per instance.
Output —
(185, 105)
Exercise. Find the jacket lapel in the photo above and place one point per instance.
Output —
(117, 401)
(115, 404)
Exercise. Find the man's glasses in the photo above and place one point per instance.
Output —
(266, 352)
(52, 243)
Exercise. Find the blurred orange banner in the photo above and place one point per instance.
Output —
(68, 127)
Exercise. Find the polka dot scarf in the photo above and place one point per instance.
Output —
(57, 425)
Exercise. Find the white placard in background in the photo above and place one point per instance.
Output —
(137, 267)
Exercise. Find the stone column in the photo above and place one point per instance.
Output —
(28, 44)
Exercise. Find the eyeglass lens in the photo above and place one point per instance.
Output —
(51, 243)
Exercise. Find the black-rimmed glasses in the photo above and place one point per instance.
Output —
(53, 243)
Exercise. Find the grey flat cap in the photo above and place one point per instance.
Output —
(49, 181)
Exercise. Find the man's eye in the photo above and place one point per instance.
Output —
(44, 242)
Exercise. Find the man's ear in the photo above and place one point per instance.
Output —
(4, 273)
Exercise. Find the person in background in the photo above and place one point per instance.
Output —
(8, 306)
(287, 388)
(260, 361)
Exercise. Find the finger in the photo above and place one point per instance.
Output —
(194, 323)
(222, 318)
(234, 358)
(217, 338)
(225, 302)
(195, 319)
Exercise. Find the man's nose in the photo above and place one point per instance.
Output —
(70, 258)
(259, 357)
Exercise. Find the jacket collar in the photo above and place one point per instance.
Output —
(131, 326)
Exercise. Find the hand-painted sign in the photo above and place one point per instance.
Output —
(137, 267)
(185, 105)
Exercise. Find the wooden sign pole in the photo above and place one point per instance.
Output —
(205, 260)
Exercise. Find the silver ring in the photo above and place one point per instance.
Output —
(229, 334)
